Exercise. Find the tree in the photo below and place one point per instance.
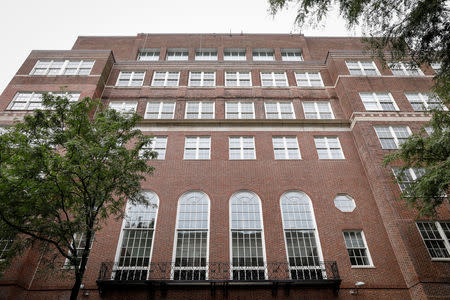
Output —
(64, 171)
(394, 30)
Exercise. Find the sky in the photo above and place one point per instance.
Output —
(27, 25)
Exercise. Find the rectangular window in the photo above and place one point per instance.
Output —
(148, 54)
(160, 110)
(130, 79)
(308, 79)
(234, 54)
(124, 107)
(362, 68)
(202, 78)
(286, 147)
(239, 110)
(391, 137)
(197, 147)
(357, 248)
(33, 100)
(238, 79)
(242, 147)
(318, 110)
(291, 54)
(273, 79)
(279, 110)
(378, 101)
(177, 54)
(62, 67)
(199, 110)
(404, 69)
(436, 236)
(80, 243)
(436, 67)
(409, 176)
(205, 54)
(5, 245)
(423, 102)
(328, 147)
(158, 145)
(263, 54)
(161, 78)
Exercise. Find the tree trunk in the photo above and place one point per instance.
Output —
(76, 288)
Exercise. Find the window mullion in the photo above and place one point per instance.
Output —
(443, 236)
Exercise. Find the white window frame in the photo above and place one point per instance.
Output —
(161, 141)
(316, 110)
(64, 66)
(424, 99)
(437, 66)
(132, 79)
(284, 140)
(166, 78)
(239, 105)
(155, 53)
(241, 147)
(67, 264)
(344, 208)
(308, 78)
(280, 115)
(238, 78)
(414, 174)
(200, 54)
(72, 96)
(376, 100)
(443, 237)
(160, 109)
(183, 57)
(361, 67)
(200, 110)
(197, 148)
(329, 156)
(7, 243)
(295, 57)
(265, 57)
(366, 247)
(237, 57)
(403, 66)
(274, 81)
(393, 134)
(202, 79)
(123, 106)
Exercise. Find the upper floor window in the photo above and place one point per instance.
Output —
(263, 54)
(5, 246)
(149, 54)
(239, 110)
(423, 102)
(238, 78)
(318, 110)
(242, 147)
(234, 54)
(328, 147)
(197, 147)
(436, 236)
(177, 54)
(79, 241)
(404, 69)
(63, 67)
(279, 110)
(124, 107)
(158, 144)
(169, 78)
(344, 203)
(362, 68)
(199, 110)
(357, 248)
(291, 54)
(391, 137)
(407, 178)
(436, 67)
(286, 147)
(206, 54)
(273, 79)
(202, 78)
(160, 110)
(378, 101)
(130, 79)
(308, 79)
(33, 100)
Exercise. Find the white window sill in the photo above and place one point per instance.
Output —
(363, 267)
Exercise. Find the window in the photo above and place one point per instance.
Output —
(263, 54)
(273, 79)
(197, 147)
(202, 78)
(239, 110)
(423, 102)
(160, 110)
(192, 237)
(318, 110)
(206, 54)
(148, 54)
(79, 243)
(279, 110)
(177, 54)
(409, 176)
(300, 232)
(136, 240)
(308, 79)
(429, 130)
(328, 147)
(238, 79)
(242, 147)
(199, 110)
(125, 107)
(158, 145)
(130, 79)
(404, 69)
(5, 246)
(291, 54)
(33, 100)
(378, 101)
(247, 240)
(357, 249)
(436, 236)
(362, 68)
(161, 78)
(234, 54)
(436, 67)
(391, 137)
(62, 67)
(344, 203)
(286, 147)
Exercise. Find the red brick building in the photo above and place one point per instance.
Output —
(269, 181)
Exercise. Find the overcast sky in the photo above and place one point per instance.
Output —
(54, 24)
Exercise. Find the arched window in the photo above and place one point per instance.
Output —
(191, 248)
(302, 241)
(136, 240)
(247, 241)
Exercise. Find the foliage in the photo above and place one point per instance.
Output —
(64, 171)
